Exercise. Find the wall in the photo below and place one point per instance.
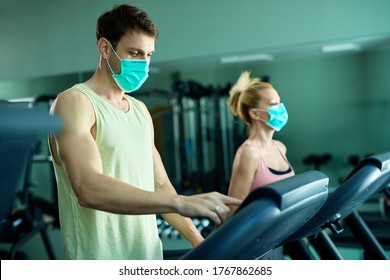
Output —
(45, 38)
(337, 104)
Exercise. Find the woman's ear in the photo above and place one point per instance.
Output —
(254, 114)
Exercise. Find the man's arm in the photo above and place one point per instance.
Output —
(183, 225)
(77, 152)
(75, 149)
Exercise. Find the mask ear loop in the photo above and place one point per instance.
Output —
(261, 119)
(109, 66)
(114, 51)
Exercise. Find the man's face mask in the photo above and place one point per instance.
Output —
(277, 116)
(134, 73)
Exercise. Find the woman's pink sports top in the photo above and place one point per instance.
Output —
(265, 175)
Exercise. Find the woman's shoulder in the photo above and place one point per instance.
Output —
(281, 146)
(247, 156)
(249, 150)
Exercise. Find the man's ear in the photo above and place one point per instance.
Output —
(104, 47)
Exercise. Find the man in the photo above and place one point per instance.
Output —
(110, 177)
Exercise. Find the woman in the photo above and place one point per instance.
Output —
(260, 160)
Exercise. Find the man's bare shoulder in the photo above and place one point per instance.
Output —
(72, 96)
(71, 100)
(74, 108)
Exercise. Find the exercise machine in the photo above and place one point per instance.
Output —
(265, 219)
(370, 177)
(19, 128)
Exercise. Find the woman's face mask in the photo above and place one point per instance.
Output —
(277, 116)
(134, 73)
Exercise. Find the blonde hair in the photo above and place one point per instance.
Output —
(245, 95)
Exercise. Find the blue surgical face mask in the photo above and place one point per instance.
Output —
(277, 116)
(134, 73)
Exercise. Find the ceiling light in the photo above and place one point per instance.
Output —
(340, 48)
(246, 58)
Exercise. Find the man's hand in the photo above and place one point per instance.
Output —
(213, 205)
